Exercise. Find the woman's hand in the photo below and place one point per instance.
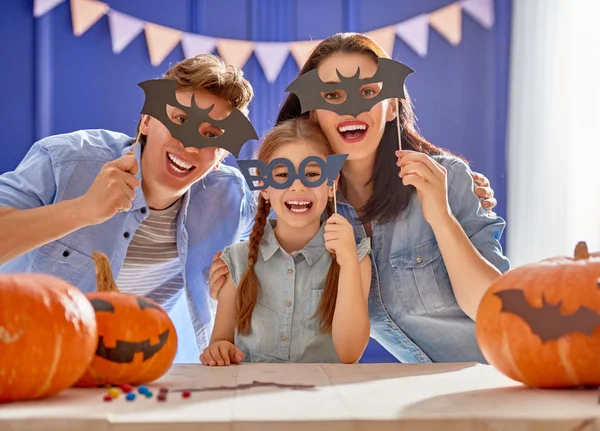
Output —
(339, 239)
(221, 353)
(485, 192)
(429, 178)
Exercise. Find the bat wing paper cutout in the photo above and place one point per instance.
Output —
(308, 87)
(547, 321)
(237, 127)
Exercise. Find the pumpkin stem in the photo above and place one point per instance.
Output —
(104, 277)
(581, 251)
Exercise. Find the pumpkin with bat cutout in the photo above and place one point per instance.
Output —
(539, 324)
(48, 336)
(137, 341)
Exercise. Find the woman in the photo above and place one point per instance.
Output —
(435, 249)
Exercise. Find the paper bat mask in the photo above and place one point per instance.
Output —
(309, 88)
(237, 127)
(329, 171)
(548, 322)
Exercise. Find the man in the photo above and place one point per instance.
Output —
(159, 213)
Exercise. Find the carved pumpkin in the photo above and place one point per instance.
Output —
(137, 341)
(540, 323)
(48, 336)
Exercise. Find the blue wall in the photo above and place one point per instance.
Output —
(54, 82)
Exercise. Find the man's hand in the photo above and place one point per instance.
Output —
(112, 191)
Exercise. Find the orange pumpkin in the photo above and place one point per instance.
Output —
(48, 336)
(137, 341)
(540, 323)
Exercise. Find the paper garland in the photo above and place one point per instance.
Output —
(161, 40)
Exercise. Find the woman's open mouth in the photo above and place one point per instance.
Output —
(352, 131)
(178, 166)
(298, 206)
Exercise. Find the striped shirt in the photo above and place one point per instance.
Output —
(152, 268)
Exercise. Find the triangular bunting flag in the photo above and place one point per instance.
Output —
(271, 57)
(235, 52)
(161, 41)
(85, 13)
(123, 29)
(415, 32)
(194, 44)
(448, 22)
(42, 7)
(386, 37)
(481, 11)
(302, 50)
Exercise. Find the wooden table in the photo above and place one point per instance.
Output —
(346, 397)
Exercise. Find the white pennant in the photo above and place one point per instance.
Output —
(481, 11)
(271, 56)
(415, 33)
(123, 29)
(42, 7)
(194, 44)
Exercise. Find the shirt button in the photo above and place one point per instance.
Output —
(283, 338)
(66, 253)
(126, 234)
(418, 259)
(420, 356)
(389, 322)
(143, 210)
(290, 271)
(288, 303)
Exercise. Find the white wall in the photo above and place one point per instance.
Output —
(554, 129)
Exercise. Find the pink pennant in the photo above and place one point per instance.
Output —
(194, 44)
(85, 13)
(161, 41)
(448, 22)
(415, 32)
(386, 37)
(42, 7)
(481, 11)
(123, 29)
(271, 57)
(302, 50)
(235, 52)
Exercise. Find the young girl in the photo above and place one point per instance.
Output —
(297, 290)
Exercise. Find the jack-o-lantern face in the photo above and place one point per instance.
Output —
(125, 351)
(137, 341)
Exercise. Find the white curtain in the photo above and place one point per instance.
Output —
(554, 129)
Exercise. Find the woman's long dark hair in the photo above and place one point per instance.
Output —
(387, 202)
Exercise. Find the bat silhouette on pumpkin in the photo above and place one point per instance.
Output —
(124, 351)
(547, 321)
(237, 128)
(309, 88)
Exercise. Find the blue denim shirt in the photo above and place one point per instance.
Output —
(283, 326)
(216, 212)
(413, 310)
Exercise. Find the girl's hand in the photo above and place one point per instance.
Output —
(221, 353)
(339, 239)
(429, 178)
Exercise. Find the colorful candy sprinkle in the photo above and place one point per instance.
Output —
(186, 394)
(126, 388)
(114, 392)
(130, 396)
(107, 398)
(142, 389)
(163, 390)
(148, 394)
(162, 397)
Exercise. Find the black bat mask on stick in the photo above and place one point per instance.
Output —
(547, 322)
(237, 127)
(309, 88)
